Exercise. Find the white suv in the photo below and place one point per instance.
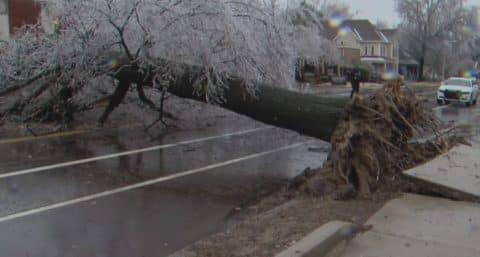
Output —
(463, 90)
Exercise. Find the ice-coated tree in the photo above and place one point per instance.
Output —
(428, 23)
(143, 43)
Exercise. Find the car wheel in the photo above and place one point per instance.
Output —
(475, 102)
(468, 103)
(439, 102)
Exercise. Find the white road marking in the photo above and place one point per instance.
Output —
(116, 155)
(147, 183)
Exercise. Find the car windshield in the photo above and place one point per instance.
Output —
(457, 82)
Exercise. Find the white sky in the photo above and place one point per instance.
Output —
(381, 9)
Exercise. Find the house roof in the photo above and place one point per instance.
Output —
(389, 33)
(364, 30)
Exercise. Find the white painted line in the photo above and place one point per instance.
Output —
(116, 155)
(147, 183)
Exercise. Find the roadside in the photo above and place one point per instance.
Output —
(280, 221)
(416, 225)
(261, 229)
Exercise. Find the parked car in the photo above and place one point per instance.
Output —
(462, 90)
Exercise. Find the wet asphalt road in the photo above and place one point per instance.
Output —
(148, 203)
(458, 114)
(466, 119)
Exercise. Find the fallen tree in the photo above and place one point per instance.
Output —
(123, 41)
(221, 42)
(305, 113)
(308, 114)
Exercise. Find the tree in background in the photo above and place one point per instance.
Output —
(425, 23)
(306, 20)
(331, 9)
(303, 12)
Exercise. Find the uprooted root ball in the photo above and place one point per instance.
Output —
(372, 143)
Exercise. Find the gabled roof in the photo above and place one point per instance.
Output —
(364, 30)
(389, 33)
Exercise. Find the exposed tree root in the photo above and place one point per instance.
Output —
(372, 143)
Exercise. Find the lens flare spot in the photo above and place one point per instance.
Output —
(113, 63)
(468, 74)
(468, 29)
(336, 21)
(344, 31)
(390, 75)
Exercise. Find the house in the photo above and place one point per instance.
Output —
(408, 66)
(17, 13)
(393, 49)
(360, 42)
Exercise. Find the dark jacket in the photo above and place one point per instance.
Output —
(355, 76)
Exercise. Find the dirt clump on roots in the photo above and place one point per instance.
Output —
(375, 141)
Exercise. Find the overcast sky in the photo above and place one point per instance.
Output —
(381, 9)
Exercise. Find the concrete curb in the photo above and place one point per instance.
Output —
(327, 241)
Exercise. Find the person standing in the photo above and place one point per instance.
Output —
(355, 79)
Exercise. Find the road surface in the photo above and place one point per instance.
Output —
(121, 193)
(458, 115)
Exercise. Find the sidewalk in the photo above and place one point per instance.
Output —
(454, 175)
(414, 225)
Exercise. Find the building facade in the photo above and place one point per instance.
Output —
(4, 24)
(360, 42)
(16, 13)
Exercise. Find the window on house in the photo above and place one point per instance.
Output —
(366, 51)
(382, 51)
(3, 6)
(373, 51)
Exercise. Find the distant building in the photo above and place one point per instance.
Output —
(4, 24)
(17, 13)
(360, 42)
(408, 66)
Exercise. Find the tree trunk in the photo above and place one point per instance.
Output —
(117, 98)
(305, 113)
(421, 64)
